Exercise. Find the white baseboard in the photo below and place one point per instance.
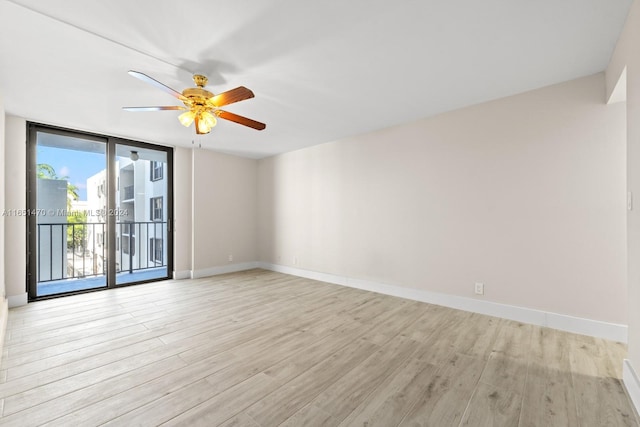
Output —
(596, 328)
(18, 300)
(183, 274)
(631, 383)
(223, 269)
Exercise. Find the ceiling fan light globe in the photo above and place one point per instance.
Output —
(187, 118)
(209, 119)
(202, 126)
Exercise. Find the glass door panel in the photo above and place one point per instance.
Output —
(70, 230)
(141, 210)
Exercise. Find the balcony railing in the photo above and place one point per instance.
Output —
(141, 245)
(78, 250)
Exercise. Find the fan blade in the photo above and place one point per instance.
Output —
(172, 107)
(154, 82)
(229, 97)
(241, 120)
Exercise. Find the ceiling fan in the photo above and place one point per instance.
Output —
(202, 106)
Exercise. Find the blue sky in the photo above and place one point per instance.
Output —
(77, 165)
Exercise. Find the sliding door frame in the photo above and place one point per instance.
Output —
(110, 151)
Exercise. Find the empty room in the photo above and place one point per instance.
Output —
(296, 213)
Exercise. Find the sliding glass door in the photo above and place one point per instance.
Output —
(141, 214)
(99, 212)
(67, 236)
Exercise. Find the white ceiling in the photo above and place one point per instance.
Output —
(320, 70)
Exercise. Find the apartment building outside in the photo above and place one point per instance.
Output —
(141, 204)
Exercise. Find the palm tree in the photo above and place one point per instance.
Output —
(46, 171)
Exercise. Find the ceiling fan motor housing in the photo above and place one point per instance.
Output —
(197, 95)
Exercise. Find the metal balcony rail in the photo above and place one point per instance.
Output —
(78, 250)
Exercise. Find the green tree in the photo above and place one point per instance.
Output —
(46, 171)
(76, 230)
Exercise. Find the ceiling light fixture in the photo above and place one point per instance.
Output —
(134, 156)
(205, 121)
(187, 118)
(202, 106)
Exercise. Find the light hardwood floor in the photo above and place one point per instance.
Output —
(260, 348)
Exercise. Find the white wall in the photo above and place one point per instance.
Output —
(224, 212)
(15, 198)
(525, 194)
(182, 195)
(626, 55)
(3, 300)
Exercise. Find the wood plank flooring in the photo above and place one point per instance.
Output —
(260, 348)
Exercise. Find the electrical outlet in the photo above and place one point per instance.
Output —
(230, 258)
(479, 289)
